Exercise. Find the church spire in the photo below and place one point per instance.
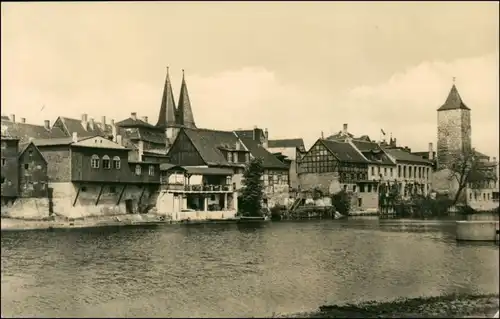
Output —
(167, 109)
(454, 101)
(184, 111)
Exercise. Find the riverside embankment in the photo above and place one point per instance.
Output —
(448, 306)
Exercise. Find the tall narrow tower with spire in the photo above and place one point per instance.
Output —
(185, 116)
(454, 129)
(167, 117)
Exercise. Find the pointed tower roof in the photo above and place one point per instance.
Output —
(454, 101)
(167, 109)
(184, 112)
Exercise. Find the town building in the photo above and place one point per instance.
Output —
(33, 177)
(276, 173)
(291, 151)
(92, 176)
(26, 131)
(85, 127)
(10, 169)
(332, 166)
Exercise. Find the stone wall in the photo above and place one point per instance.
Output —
(454, 132)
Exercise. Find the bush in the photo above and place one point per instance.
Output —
(277, 212)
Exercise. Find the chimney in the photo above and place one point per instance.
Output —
(237, 146)
(344, 129)
(46, 124)
(13, 117)
(114, 130)
(84, 121)
(133, 116)
(103, 121)
(119, 139)
(91, 122)
(23, 120)
(145, 119)
(75, 137)
(431, 152)
(266, 138)
(141, 150)
(322, 135)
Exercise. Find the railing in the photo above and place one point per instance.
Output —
(200, 188)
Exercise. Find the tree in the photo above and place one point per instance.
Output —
(470, 172)
(253, 188)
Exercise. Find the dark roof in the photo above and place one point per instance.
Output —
(185, 115)
(24, 147)
(268, 160)
(130, 122)
(55, 141)
(373, 152)
(209, 142)
(285, 143)
(208, 170)
(167, 108)
(344, 152)
(404, 156)
(25, 131)
(454, 101)
(144, 134)
(171, 167)
(75, 125)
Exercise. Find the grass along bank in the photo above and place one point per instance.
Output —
(450, 306)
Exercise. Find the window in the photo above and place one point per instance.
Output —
(137, 169)
(354, 188)
(228, 180)
(229, 157)
(399, 170)
(30, 153)
(373, 170)
(116, 162)
(151, 170)
(3, 179)
(247, 157)
(4, 161)
(106, 162)
(385, 171)
(26, 166)
(112, 189)
(94, 161)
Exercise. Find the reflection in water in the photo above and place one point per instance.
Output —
(237, 269)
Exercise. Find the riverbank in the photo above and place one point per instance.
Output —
(15, 224)
(451, 306)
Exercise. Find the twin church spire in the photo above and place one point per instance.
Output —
(170, 115)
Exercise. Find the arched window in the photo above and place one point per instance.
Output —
(94, 161)
(137, 169)
(106, 162)
(116, 162)
(151, 170)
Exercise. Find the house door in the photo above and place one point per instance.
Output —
(360, 202)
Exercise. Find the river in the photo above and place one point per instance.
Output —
(235, 270)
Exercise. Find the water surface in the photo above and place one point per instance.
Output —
(235, 270)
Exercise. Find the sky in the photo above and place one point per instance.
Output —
(299, 69)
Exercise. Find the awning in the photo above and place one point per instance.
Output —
(209, 171)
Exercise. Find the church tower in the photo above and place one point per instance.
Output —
(168, 111)
(185, 116)
(454, 129)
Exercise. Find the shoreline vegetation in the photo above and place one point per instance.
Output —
(447, 306)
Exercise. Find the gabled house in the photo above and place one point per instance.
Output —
(85, 127)
(26, 131)
(292, 151)
(332, 165)
(93, 176)
(276, 173)
(146, 141)
(33, 177)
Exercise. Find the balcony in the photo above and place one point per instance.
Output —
(180, 188)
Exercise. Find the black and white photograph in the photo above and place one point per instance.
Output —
(250, 159)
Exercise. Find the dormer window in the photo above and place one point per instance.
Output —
(94, 161)
(106, 162)
(116, 162)
(229, 157)
(137, 169)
